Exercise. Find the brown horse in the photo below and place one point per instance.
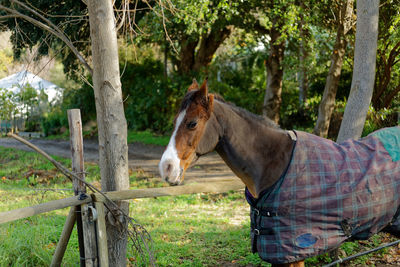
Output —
(305, 215)
(202, 125)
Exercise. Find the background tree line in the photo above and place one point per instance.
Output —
(27, 103)
(289, 60)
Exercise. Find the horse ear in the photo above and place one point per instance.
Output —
(210, 103)
(204, 87)
(193, 86)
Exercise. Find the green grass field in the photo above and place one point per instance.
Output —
(192, 230)
(145, 137)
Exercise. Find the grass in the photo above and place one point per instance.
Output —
(63, 136)
(191, 230)
(145, 137)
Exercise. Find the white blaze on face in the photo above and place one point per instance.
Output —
(170, 169)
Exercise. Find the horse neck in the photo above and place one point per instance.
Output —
(255, 150)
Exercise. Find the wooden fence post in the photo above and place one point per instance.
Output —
(101, 234)
(85, 225)
(65, 235)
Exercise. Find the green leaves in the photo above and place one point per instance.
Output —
(7, 104)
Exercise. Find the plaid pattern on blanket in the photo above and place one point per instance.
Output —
(330, 192)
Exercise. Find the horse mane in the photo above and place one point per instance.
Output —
(246, 113)
(191, 95)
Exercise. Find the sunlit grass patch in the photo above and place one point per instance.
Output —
(147, 137)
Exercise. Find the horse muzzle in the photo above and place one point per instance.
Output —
(171, 171)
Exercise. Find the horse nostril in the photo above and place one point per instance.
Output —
(169, 167)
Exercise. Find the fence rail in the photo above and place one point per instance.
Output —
(14, 215)
(214, 187)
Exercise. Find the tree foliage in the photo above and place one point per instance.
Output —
(229, 41)
(6, 59)
(70, 17)
(194, 30)
(387, 86)
(7, 104)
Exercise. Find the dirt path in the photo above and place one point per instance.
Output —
(142, 158)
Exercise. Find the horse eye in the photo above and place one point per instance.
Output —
(191, 125)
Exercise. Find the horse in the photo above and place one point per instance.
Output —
(307, 194)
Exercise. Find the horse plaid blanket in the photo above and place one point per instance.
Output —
(329, 193)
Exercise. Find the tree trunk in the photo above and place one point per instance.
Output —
(332, 81)
(273, 91)
(113, 148)
(362, 83)
(208, 46)
(383, 78)
(302, 72)
(187, 55)
(388, 100)
(190, 60)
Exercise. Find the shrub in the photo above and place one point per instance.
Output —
(53, 121)
(151, 101)
(377, 119)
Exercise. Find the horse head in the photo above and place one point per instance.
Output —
(186, 142)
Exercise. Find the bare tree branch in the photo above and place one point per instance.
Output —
(125, 9)
(60, 34)
(55, 15)
(6, 17)
(165, 28)
(52, 29)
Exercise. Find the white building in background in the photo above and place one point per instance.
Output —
(19, 80)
